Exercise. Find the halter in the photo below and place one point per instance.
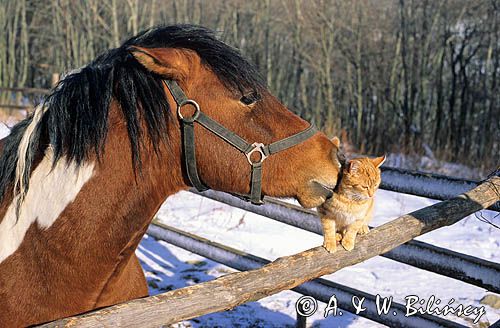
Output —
(230, 137)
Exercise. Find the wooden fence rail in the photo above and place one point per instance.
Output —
(466, 268)
(22, 92)
(428, 185)
(287, 272)
(37, 91)
(320, 289)
(16, 107)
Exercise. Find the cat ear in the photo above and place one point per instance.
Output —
(353, 166)
(167, 62)
(336, 142)
(378, 161)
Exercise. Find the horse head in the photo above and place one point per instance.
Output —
(229, 91)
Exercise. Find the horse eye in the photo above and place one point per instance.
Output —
(250, 98)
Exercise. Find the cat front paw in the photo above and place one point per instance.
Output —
(348, 244)
(330, 245)
(364, 229)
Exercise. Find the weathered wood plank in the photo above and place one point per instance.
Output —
(285, 273)
(16, 107)
(319, 288)
(26, 90)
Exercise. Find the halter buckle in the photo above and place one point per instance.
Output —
(193, 117)
(256, 147)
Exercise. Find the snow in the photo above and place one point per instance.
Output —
(4, 130)
(170, 267)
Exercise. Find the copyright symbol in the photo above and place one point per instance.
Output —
(306, 306)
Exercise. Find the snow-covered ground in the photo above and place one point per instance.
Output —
(168, 267)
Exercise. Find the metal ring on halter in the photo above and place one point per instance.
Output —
(257, 147)
(192, 103)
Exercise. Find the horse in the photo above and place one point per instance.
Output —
(82, 177)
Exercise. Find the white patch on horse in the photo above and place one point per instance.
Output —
(50, 192)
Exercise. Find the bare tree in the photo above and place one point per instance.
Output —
(395, 75)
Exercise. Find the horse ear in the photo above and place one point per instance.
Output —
(167, 62)
(378, 161)
(336, 142)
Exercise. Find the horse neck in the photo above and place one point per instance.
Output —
(126, 197)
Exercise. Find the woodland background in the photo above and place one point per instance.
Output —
(413, 77)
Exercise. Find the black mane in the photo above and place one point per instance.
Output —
(76, 121)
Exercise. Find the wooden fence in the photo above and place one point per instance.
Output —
(260, 277)
(21, 98)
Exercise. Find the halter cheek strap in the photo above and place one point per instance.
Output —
(188, 141)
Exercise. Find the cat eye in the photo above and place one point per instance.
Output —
(360, 186)
(250, 98)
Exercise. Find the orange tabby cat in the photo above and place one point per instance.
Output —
(350, 208)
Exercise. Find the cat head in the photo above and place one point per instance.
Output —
(361, 177)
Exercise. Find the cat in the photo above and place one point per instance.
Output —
(350, 208)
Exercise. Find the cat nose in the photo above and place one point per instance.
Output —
(370, 193)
